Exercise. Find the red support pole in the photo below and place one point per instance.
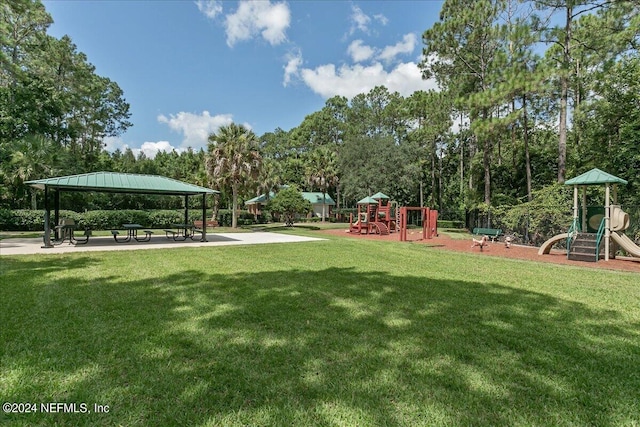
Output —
(434, 222)
(403, 224)
(426, 230)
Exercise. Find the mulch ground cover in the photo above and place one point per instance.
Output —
(444, 242)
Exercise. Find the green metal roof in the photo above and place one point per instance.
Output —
(316, 198)
(112, 182)
(380, 195)
(260, 199)
(593, 177)
(368, 201)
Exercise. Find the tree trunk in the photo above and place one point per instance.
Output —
(486, 162)
(461, 160)
(234, 212)
(527, 158)
(433, 175)
(564, 95)
(324, 207)
(214, 215)
(440, 181)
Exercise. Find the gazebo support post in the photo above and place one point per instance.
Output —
(607, 222)
(56, 207)
(575, 202)
(204, 217)
(186, 209)
(584, 208)
(47, 225)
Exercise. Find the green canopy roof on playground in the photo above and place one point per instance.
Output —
(380, 195)
(368, 201)
(593, 177)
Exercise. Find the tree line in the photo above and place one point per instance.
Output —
(530, 93)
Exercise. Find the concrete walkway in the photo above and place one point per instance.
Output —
(106, 243)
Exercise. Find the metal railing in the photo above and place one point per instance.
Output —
(599, 238)
(572, 233)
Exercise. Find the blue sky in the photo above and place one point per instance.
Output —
(188, 67)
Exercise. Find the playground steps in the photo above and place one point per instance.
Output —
(583, 248)
(382, 228)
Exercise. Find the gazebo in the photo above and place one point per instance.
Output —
(112, 182)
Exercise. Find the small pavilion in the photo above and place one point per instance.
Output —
(112, 182)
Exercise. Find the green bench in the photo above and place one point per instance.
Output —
(492, 233)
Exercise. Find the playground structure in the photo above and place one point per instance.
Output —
(377, 214)
(594, 227)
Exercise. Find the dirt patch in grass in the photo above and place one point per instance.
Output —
(444, 242)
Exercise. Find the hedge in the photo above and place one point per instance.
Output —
(33, 220)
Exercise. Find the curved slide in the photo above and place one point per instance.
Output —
(626, 243)
(546, 246)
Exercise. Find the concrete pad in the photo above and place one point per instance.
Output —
(106, 243)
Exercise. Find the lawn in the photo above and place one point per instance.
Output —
(343, 332)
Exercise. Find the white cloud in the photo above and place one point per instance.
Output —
(113, 143)
(150, 149)
(359, 20)
(407, 45)
(210, 8)
(381, 18)
(253, 18)
(351, 80)
(195, 127)
(360, 52)
(294, 61)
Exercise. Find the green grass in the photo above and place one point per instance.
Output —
(339, 332)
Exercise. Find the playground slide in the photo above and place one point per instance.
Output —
(546, 246)
(626, 243)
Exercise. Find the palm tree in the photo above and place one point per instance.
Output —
(35, 157)
(270, 178)
(233, 161)
(321, 172)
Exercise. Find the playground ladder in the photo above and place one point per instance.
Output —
(584, 248)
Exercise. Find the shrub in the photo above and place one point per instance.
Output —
(33, 220)
(289, 203)
(548, 214)
(444, 223)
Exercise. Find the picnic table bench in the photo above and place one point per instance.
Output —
(183, 232)
(492, 233)
(132, 233)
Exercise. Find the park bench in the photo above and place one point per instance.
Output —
(492, 233)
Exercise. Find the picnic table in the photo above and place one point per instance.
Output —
(182, 232)
(65, 232)
(132, 233)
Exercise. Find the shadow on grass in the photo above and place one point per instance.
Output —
(326, 347)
